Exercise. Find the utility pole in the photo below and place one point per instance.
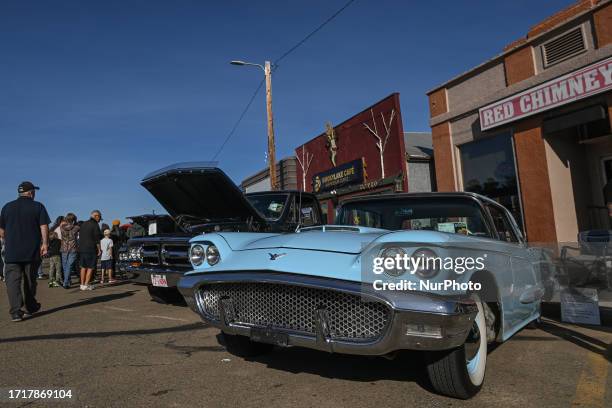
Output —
(267, 69)
(271, 144)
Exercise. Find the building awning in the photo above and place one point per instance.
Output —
(573, 119)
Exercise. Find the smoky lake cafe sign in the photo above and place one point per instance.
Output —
(580, 84)
(339, 176)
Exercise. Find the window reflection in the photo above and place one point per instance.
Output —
(488, 169)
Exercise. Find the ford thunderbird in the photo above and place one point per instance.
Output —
(443, 273)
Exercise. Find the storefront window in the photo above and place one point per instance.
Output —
(489, 169)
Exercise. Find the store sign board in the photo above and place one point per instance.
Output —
(339, 176)
(580, 84)
(580, 305)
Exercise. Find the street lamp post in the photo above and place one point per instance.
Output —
(267, 69)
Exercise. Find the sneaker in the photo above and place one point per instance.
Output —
(29, 313)
(112, 281)
(83, 287)
(50, 284)
(17, 317)
(66, 286)
(90, 287)
(56, 284)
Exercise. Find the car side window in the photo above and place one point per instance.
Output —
(502, 224)
(309, 214)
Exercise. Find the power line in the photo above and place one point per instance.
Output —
(244, 111)
(274, 67)
(313, 32)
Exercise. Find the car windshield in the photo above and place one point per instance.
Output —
(270, 206)
(444, 214)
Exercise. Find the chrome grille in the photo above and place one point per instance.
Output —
(294, 308)
(150, 254)
(166, 254)
(175, 254)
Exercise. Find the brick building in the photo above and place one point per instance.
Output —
(346, 160)
(531, 126)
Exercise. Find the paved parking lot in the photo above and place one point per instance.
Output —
(114, 347)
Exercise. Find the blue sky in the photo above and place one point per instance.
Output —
(94, 95)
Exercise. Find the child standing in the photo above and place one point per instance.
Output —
(106, 259)
(55, 260)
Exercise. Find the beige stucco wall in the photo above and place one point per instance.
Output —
(564, 208)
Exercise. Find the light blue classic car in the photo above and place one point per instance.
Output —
(344, 289)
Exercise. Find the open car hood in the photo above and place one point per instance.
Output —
(198, 193)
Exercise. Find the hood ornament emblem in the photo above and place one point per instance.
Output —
(274, 257)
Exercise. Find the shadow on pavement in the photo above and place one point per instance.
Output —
(96, 335)
(90, 301)
(407, 366)
(582, 340)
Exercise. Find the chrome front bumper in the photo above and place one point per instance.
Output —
(418, 321)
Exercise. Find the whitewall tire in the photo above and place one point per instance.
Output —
(460, 372)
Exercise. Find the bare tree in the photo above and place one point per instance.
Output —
(382, 141)
(304, 164)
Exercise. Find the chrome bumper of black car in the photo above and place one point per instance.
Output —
(142, 274)
(415, 320)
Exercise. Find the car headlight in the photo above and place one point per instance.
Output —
(393, 252)
(430, 265)
(196, 255)
(135, 254)
(212, 255)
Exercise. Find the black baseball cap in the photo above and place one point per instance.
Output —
(26, 186)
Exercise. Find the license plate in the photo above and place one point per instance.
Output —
(269, 336)
(159, 280)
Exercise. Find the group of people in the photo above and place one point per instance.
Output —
(86, 242)
(27, 237)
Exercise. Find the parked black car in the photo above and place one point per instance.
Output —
(203, 199)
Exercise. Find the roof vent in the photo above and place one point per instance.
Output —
(563, 47)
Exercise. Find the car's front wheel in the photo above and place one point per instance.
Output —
(242, 346)
(460, 372)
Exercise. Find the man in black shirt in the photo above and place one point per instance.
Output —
(89, 248)
(24, 226)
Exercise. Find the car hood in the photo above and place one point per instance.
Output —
(199, 190)
(350, 240)
(336, 238)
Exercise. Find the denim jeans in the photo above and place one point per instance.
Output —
(68, 259)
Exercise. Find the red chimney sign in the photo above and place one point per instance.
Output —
(585, 82)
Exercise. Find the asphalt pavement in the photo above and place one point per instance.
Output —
(114, 347)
